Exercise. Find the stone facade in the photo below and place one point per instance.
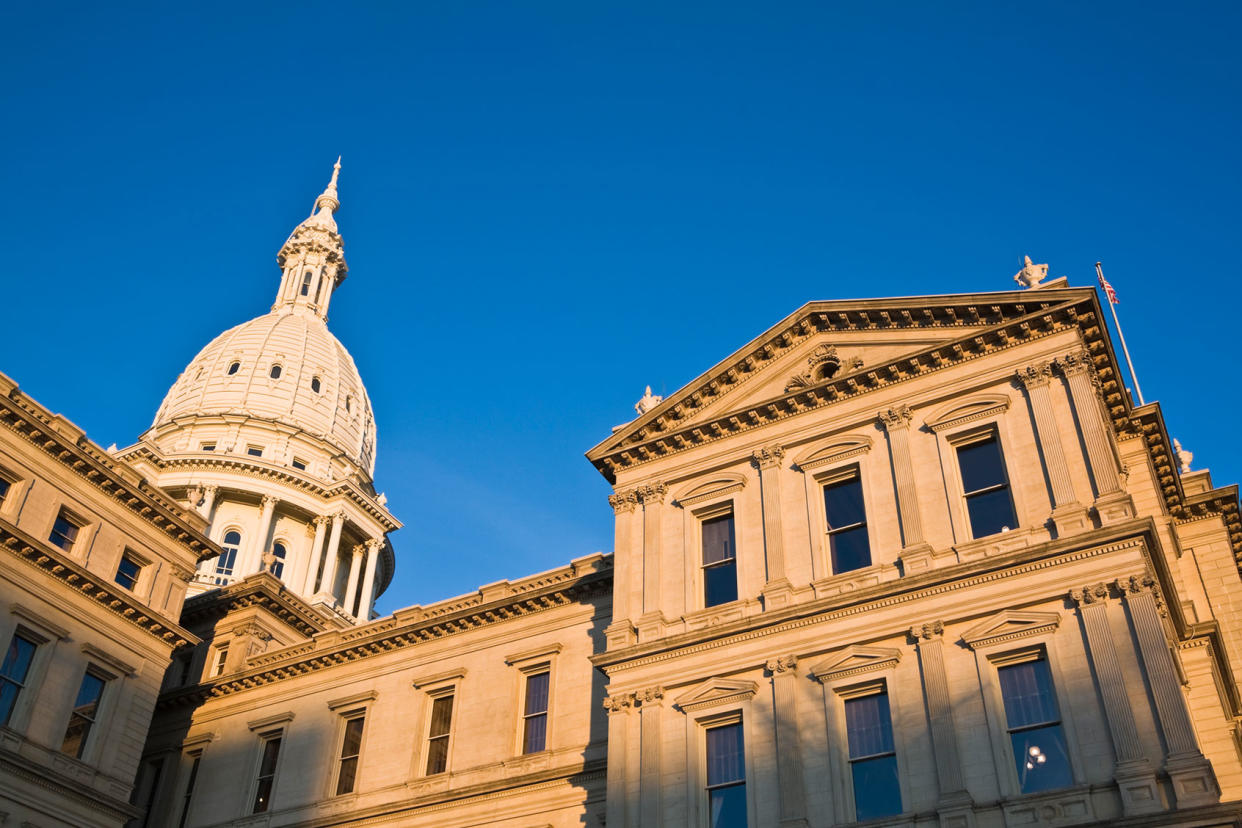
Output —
(905, 562)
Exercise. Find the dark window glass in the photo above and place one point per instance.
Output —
(275, 372)
(351, 747)
(208, 446)
(315, 384)
(64, 532)
(300, 465)
(535, 727)
(278, 565)
(726, 777)
(847, 525)
(189, 791)
(127, 571)
(1034, 723)
(873, 761)
(349, 403)
(13, 673)
(4, 489)
(222, 657)
(82, 719)
(226, 562)
(254, 451)
(719, 561)
(438, 737)
(267, 774)
(306, 283)
(233, 367)
(987, 490)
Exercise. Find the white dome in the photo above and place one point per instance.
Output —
(307, 355)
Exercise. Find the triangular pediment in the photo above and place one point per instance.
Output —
(854, 660)
(830, 350)
(715, 691)
(1009, 625)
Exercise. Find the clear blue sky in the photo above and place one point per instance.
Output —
(547, 206)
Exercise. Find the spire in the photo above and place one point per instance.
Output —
(328, 198)
(313, 257)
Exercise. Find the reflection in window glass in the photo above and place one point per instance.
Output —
(82, 719)
(986, 488)
(267, 774)
(873, 761)
(279, 552)
(726, 777)
(13, 673)
(1034, 724)
(719, 561)
(847, 525)
(4, 489)
(226, 562)
(438, 736)
(351, 747)
(127, 570)
(535, 726)
(64, 532)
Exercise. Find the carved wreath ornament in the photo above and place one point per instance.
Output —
(823, 364)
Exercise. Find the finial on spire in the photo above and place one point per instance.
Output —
(329, 198)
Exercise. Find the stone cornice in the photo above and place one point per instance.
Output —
(67, 444)
(54, 563)
(1222, 502)
(584, 580)
(20, 767)
(1009, 323)
(259, 590)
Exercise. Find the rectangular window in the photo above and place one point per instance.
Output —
(64, 531)
(222, 656)
(438, 735)
(128, 570)
(986, 487)
(13, 673)
(847, 524)
(351, 748)
(873, 760)
(189, 790)
(1034, 724)
(719, 561)
(5, 486)
(208, 446)
(535, 724)
(726, 776)
(254, 451)
(82, 719)
(267, 771)
(300, 465)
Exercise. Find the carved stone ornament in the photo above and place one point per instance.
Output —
(898, 416)
(650, 695)
(1074, 363)
(647, 402)
(322, 520)
(1184, 457)
(1093, 594)
(1031, 274)
(927, 632)
(781, 664)
(1038, 374)
(652, 493)
(620, 703)
(625, 500)
(822, 365)
(768, 457)
(1134, 584)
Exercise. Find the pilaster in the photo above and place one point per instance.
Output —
(651, 622)
(257, 546)
(627, 569)
(778, 591)
(1136, 781)
(316, 556)
(955, 805)
(1068, 515)
(916, 552)
(1112, 504)
(1194, 782)
(619, 707)
(651, 782)
(789, 768)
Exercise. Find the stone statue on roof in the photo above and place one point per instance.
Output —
(648, 402)
(1031, 274)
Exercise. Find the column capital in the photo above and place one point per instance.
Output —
(339, 515)
(623, 501)
(1135, 584)
(650, 695)
(781, 664)
(374, 544)
(270, 501)
(931, 631)
(209, 488)
(358, 550)
(1090, 594)
(898, 416)
(322, 520)
(1038, 374)
(620, 703)
(652, 493)
(768, 457)
(1077, 362)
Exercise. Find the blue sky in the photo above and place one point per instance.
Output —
(547, 206)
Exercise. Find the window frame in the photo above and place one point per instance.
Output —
(90, 745)
(298, 463)
(979, 437)
(48, 636)
(831, 476)
(207, 445)
(432, 688)
(13, 491)
(74, 519)
(850, 692)
(696, 780)
(139, 578)
(218, 660)
(227, 577)
(281, 560)
(345, 710)
(251, 448)
(184, 792)
(265, 736)
(993, 422)
(16, 716)
(708, 512)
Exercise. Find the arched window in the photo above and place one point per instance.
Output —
(315, 386)
(306, 282)
(275, 372)
(349, 403)
(228, 561)
(278, 565)
(233, 367)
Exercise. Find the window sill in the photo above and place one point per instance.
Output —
(717, 615)
(1000, 543)
(855, 580)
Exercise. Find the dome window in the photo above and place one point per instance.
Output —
(226, 562)
(349, 403)
(278, 559)
(315, 386)
(275, 372)
(306, 283)
(233, 366)
(299, 464)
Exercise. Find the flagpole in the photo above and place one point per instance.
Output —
(1099, 271)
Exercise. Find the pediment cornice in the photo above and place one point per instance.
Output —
(1010, 625)
(855, 660)
(715, 692)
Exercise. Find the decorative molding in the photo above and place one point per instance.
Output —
(896, 417)
(1090, 594)
(839, 451)
(822, 365)
(713, 489)
(39, 622)
(356, 699)
(652, 493)
(715, 692)
(270, 721)
(1040, 373)
(620, 703)
(97, 654)
(545, 651)
(781, 664)
(959, 413)
(199, 740)
(650, 695)
(855, 660)
(623, 501)
(928, 631)
(1010, 625)
(442, 678)
(768, 457)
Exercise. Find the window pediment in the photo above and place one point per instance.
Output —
(854, 660)
(959, 413)
(703, 492)
(839, 449)
(715, 691)
(1009, 625)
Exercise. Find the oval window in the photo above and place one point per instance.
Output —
(275, 372)
(233, 367)
(315, 384)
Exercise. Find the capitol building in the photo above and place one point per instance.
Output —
(916, 561)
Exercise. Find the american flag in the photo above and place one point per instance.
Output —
(1108, 290)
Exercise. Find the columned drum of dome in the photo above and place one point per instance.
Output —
(270, 434)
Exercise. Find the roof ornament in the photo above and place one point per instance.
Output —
(648, 402)
(329, 198)
(1184, 457)
(1031, 274)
